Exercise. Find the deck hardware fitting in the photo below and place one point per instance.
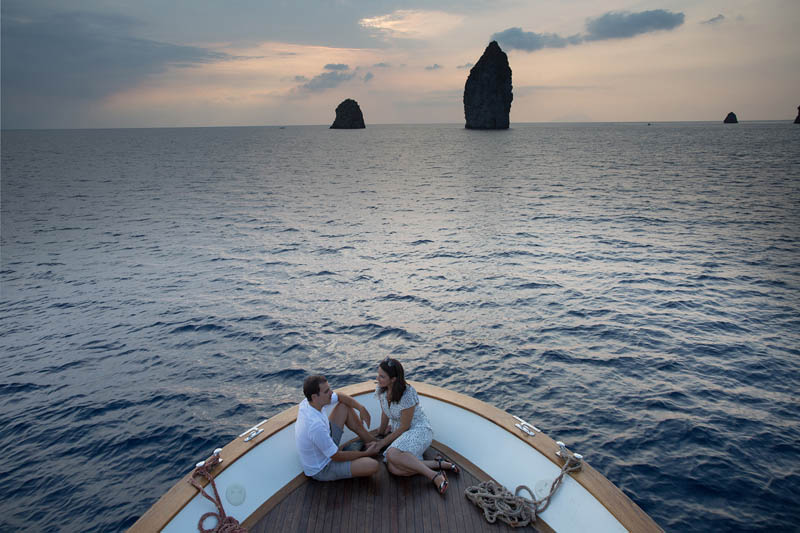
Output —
(570, 457)
(216, 453)
(527, 428)
(562, 450)
(253, 434)
(246, 431)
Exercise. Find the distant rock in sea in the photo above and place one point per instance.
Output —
(487, 93)
(797, 120)
(348, 116)
(731, 118)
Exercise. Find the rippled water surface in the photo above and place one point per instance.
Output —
(632, 290)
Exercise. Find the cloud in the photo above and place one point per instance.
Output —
(69, 58)
(428, 99)
(435, 66)
(368, 76)
(382, 65)
(515, 38)
(612, 25)
(327, 80)
(526, 90)
(411, 24)
(623, 24)
(716, 20)
(336, 66)
(466, 65)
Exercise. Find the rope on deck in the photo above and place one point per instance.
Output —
(497, 501)
(225, 523)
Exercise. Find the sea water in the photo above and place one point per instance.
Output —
(632, 290)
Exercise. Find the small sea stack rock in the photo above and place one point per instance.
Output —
(487, 93)
(731, 118)
(797, 119)
(348, 116)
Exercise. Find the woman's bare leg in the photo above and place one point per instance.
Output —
(434, 465)
(404, 464)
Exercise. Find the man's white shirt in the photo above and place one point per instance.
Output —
(312, 433)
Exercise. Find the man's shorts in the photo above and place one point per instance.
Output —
(334, 469)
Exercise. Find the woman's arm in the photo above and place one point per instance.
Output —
(384, 423)
(405, 422)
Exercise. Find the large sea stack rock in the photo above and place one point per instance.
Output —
(348, 116)
(731, 118)
(487, 93)
(797, 119)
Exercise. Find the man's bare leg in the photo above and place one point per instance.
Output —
(364, 467)
(343, 415)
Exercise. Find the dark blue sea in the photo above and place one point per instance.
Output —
(632, 290)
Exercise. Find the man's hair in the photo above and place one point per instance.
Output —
(311, 385)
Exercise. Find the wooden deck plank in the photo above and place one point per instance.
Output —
(301, 513)
(339, 494)
(394, 502)
(347, 504)
(316, 504)
(422, 521)
(368, 502)
(298, 516)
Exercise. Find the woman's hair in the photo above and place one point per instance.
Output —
(394, 369)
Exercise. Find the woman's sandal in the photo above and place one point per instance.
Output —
(453, 467)
(441, 487)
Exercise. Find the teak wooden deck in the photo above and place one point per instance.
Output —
(385, 503)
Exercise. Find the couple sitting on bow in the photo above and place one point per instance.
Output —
(405, 431)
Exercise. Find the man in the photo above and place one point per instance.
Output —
(320, 421)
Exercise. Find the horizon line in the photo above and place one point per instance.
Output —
(648, 122)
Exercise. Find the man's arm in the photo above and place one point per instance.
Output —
(353, 404)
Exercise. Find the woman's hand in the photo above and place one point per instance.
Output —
(406, 415)
(373, 449)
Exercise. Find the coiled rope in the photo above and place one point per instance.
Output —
(225, 523)
(497, 501)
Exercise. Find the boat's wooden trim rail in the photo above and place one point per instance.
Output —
(619, 505)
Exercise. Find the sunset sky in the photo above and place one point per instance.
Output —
(117, 63)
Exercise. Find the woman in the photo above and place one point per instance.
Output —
(410, 431)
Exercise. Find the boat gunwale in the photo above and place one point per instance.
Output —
(630, 515)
